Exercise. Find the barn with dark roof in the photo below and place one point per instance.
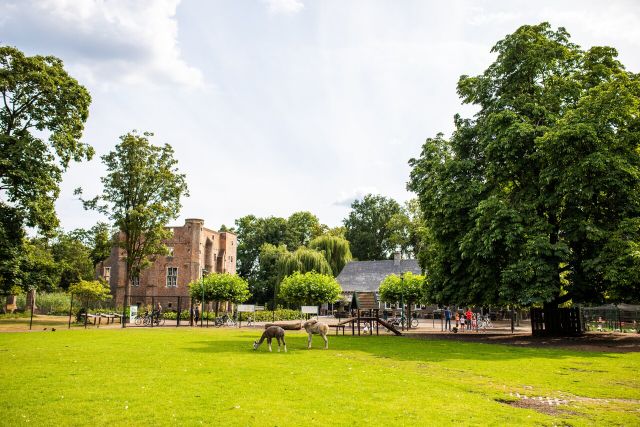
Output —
(363, 278)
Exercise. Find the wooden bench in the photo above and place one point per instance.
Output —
(88, 318)
(337, 328)
(111, 318)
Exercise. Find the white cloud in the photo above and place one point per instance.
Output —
(104, 41)
(284, 7)
(347, 198)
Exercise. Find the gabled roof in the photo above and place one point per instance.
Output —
(365, 276)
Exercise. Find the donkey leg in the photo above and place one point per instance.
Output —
(285, 345)
(269, 342)
(326, 341)
(278, 338)
(309, 342)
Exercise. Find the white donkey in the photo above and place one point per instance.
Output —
(318, 328)
(271, 332)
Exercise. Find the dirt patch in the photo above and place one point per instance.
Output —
(541, 406)
(591, 341)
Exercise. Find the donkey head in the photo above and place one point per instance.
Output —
(255, 345)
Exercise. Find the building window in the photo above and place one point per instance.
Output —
(230, 259)
(135, 282)
(172, 277)
(170, 251)
(107, 274)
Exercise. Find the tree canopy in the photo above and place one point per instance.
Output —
(220, 287)
(309, 288)
(302, 260)
(90, 290)
(142, 192)
(537, 198)
(39, 100)
(253, 232)
(366, 227)
(408, 288)
(334, 249)
(38, 95)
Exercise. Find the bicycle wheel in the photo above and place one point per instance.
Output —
(146, 321)
(414, 323)
(138, 320)
(162, 320)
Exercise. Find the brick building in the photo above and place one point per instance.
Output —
(193, 251)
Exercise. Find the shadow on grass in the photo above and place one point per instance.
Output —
(398, 348)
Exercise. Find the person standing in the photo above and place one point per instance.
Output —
(447, 319)
(469, 315)
(196, 314)
(158, 311)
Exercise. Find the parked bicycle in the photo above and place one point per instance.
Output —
(224, 320)
(146, 319)
(398, 322)
(484, 322)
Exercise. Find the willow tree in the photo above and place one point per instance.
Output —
(335, 250)
(303, 260)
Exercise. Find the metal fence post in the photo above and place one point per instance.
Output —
(70, 310)
(179, 312)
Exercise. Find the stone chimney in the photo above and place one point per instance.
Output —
(397, 256)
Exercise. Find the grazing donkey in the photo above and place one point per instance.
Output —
(318, 328)
(271, 332)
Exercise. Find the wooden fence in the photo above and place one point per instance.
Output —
(552, 321)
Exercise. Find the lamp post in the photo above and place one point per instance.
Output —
(204, 272)
(402, 319)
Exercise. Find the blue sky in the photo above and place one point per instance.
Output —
(277, 106)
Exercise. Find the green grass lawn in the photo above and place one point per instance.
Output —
(193, 376)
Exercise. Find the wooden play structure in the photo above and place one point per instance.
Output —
(364, 317)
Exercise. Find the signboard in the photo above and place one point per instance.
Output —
(246, 308)
(310, 309)
(133, 313)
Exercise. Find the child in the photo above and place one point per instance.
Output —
(462, 323)
(457, 319)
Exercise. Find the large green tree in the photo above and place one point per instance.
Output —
(537, 198)
(264, 283)
(42, 116)
(302, 227)
(73, 259)
(99, 240)
(142, 192)
(407, 229)
(367, 227)
(253, 232)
